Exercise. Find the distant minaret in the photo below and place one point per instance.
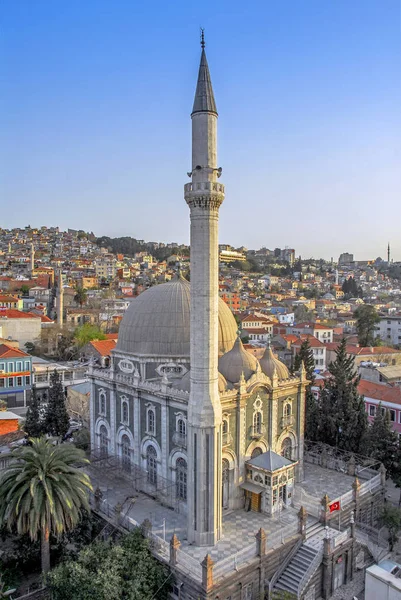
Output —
(336, 276)
(60, 299)
(388, 253)
(32, 258)
(204, 196)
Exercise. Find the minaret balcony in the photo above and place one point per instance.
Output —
(180, 439)
(227, 439)
(257, 432)
(204, 186)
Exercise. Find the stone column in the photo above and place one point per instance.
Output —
(382, 472)
(261, 542)
(92, 412)
(351, 466)
(325, 501)
(327, 568)
(113, 446)
(137, 430)
(164, 439)
(174, 547)
(302, 518)
(207, 573)
(356, 486)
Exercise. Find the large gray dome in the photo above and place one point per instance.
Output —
(157, 322)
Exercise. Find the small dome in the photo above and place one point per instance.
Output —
(157, 322)
(237, 361)
(184, 384)
(269, 363)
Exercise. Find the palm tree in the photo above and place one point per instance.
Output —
(43, 492)
(80, 295)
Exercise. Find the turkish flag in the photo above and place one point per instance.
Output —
(334, 506)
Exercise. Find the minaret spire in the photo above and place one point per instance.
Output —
(204, 196)
(388, 253)
(204, 97)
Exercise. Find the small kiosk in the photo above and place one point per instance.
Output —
(269, 484)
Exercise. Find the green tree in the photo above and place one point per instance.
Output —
(301, 314)
(391, 519)
(43, 492)
(125, 571)
(342, 417)
(24, 290)
(366, 321)
(80, 295)
(56, 421)
(33, 424)
(305, 356)
(86, 333)
(382, 441)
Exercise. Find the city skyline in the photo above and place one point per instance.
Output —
(309, 119)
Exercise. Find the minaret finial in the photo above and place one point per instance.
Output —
(202, 38)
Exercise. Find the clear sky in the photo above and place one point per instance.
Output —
(95, 102)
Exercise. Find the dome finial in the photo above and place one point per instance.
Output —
(202, 29)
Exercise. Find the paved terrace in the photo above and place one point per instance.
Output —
(239, 527)
(319, 481)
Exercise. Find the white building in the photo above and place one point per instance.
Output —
(389, 329)
(382, 581)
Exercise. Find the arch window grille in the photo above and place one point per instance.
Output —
(124, 412)
(257, 423)
(102, 403)
(151, 419)
(256, 452)
(103, 441)
(225, 426)
(181, 478)
(181, 427)
(151, 465)
(125, 453)
(287, 414)
(286, 448)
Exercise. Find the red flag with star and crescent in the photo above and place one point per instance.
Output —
(334, 506)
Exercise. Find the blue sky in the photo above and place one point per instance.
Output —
(95, 102)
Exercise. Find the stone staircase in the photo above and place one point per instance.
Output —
(291, 577)
(312, 528)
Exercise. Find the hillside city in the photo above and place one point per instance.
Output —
(201, 421)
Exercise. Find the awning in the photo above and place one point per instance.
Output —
(251, 487)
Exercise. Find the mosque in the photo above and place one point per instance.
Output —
(197, 420)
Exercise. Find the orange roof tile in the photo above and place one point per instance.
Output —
(378, 391)
(104, 347)
(13, 313)
(7, 351)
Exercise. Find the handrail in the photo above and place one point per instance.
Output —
(283, 566)
(309, 572)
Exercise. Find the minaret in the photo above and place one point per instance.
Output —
(204, 197)
(60, 300)
(388, 253)
(32, 258)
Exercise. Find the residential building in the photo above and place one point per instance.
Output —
(322, 333)
(389, 329)
(15, 376)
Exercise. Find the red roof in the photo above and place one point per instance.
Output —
(313, 342)
(380, 392)
(7, 351)
(13, 313)
(112, 336)
(8, 299)
(363, 350)
(104, 347)
(311, 326)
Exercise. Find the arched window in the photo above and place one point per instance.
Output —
(124, 411)
(286, 448)
(181, 427)
(125, 453)
(151, 421)
(151, 464)
(103, 441)
(256, 452)
(102, 403)
(258, 479)
(257, 422)
(287, 409)
(225, 480)
(181, 479)
(225, 426)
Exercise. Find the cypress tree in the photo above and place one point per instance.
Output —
(57, 421)
(382, 441)
(342, 417)
(33, 423)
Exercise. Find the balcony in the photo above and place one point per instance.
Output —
(287, 421)
(180, 439)
(257, 432)
(227, 439)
